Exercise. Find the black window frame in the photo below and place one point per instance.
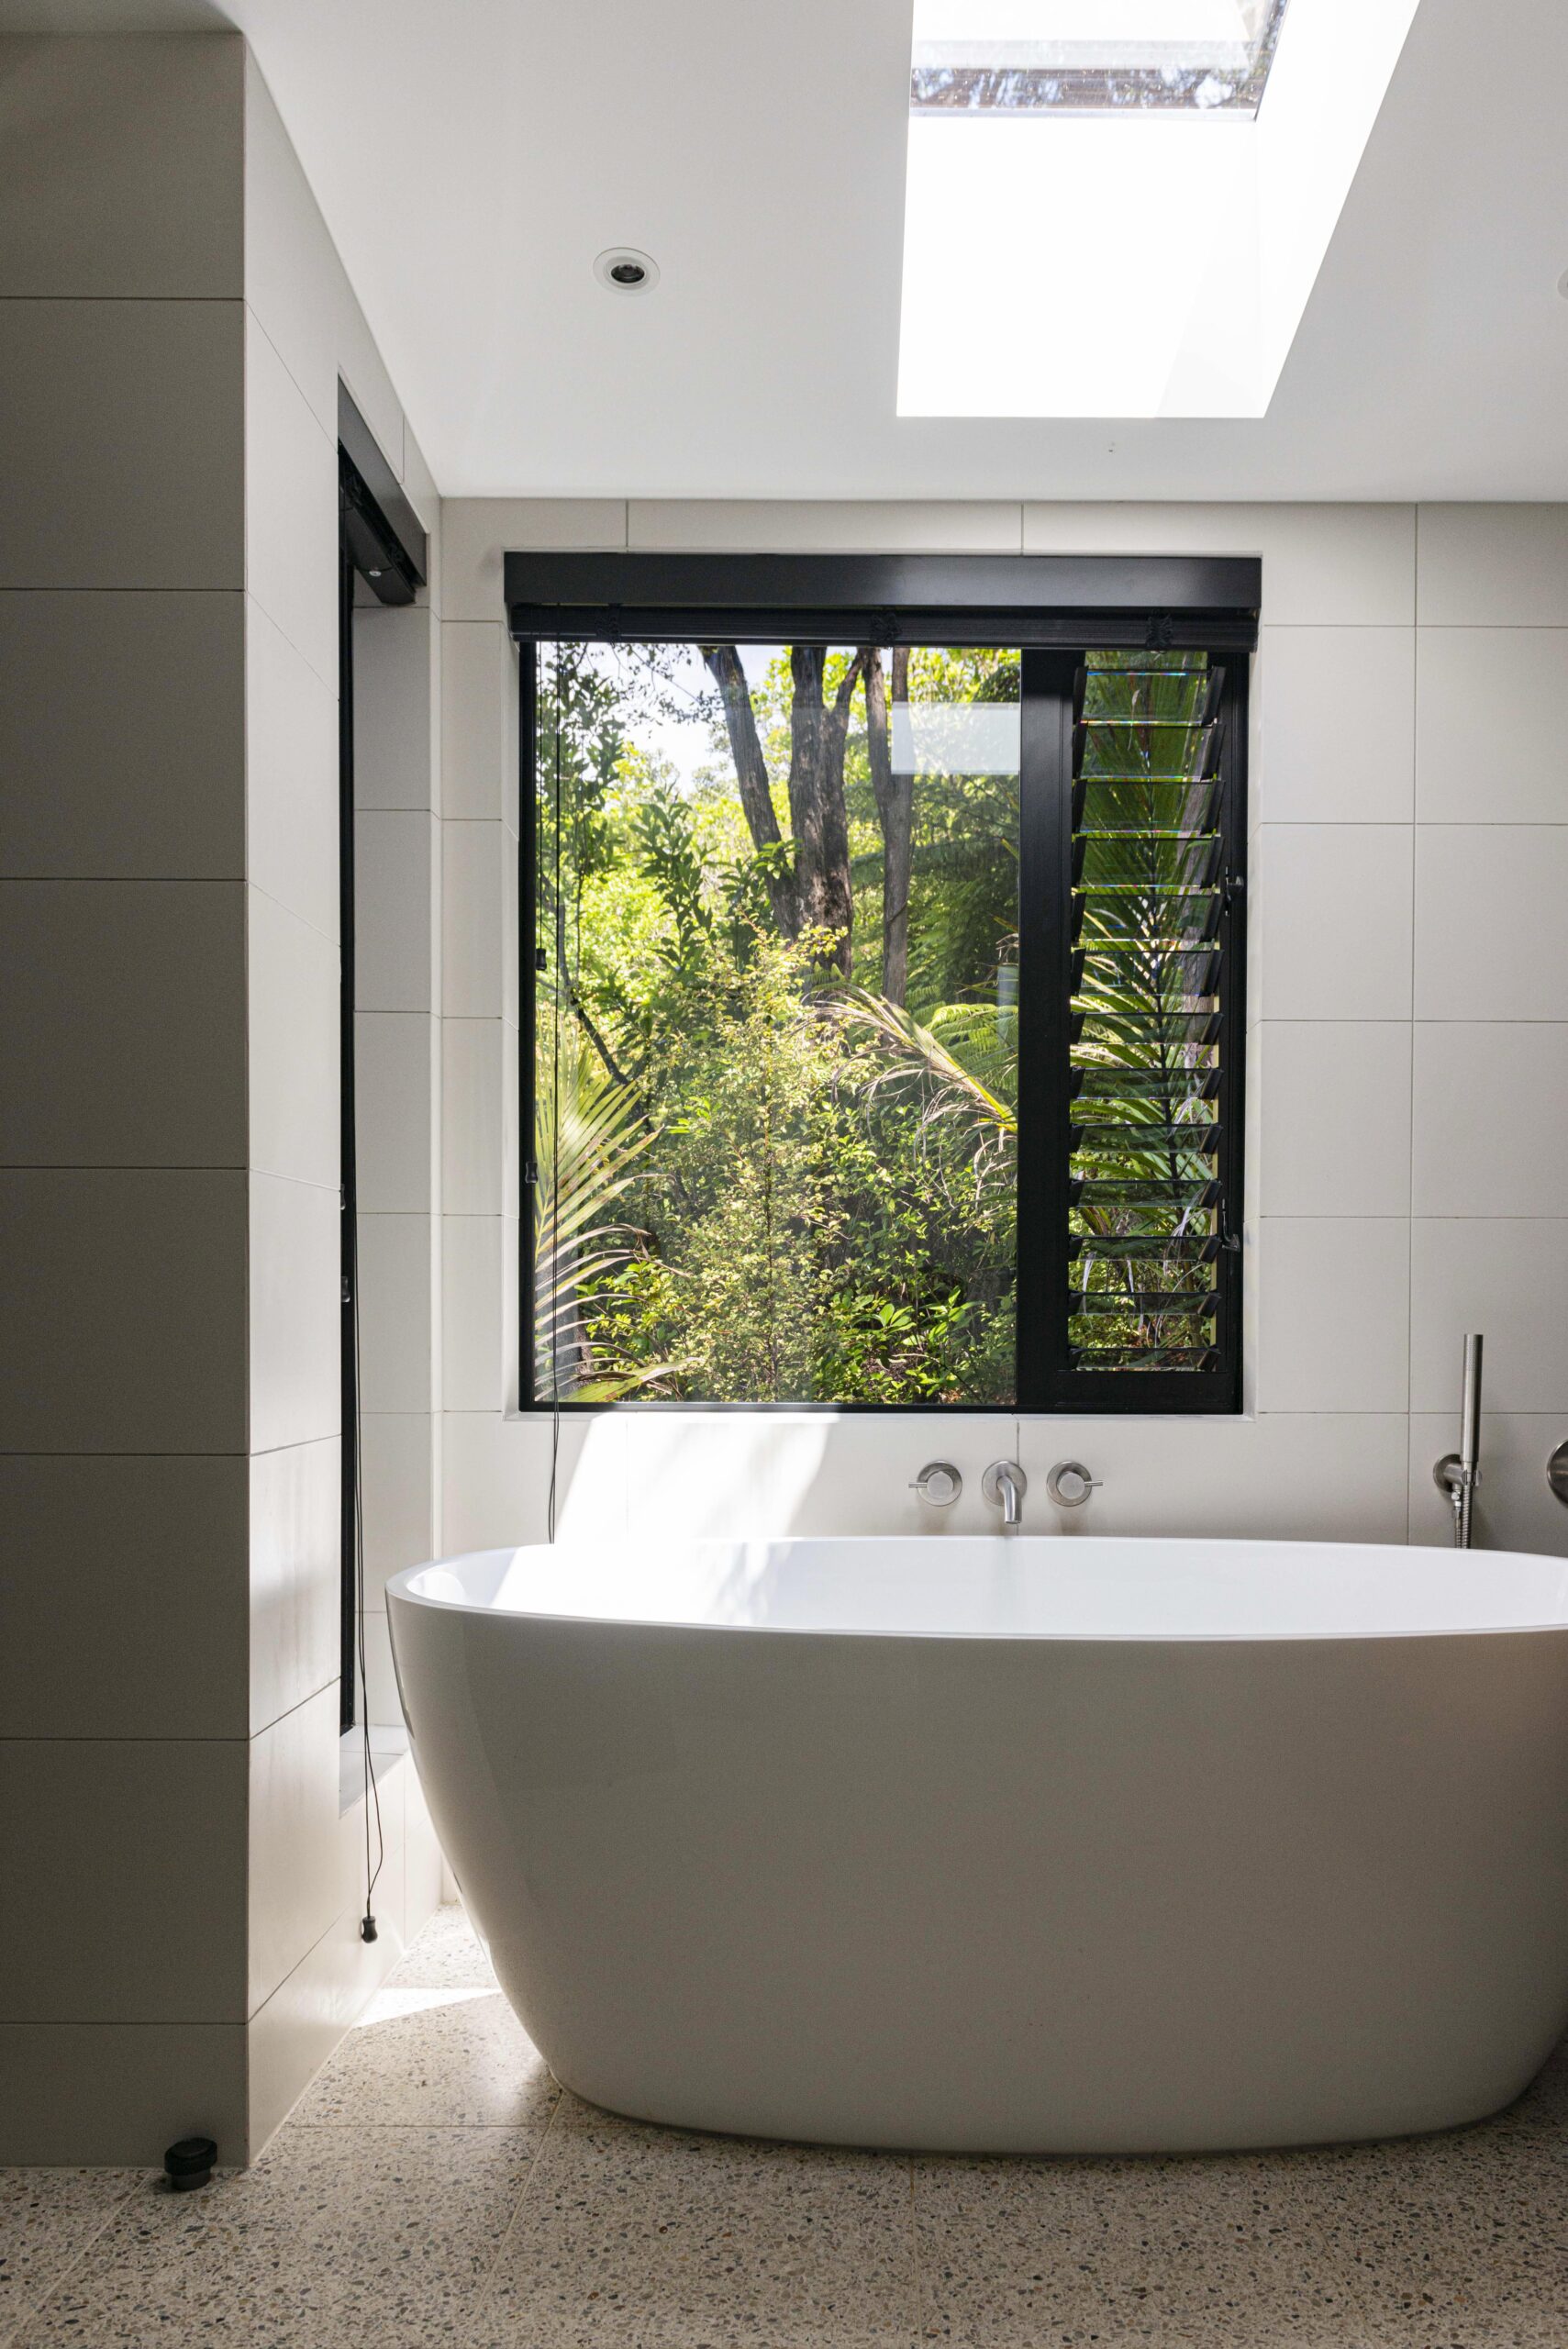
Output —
(382, 543)
(1055, 611)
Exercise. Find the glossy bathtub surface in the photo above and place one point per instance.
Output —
(1020, 1587)
(1047, 1844)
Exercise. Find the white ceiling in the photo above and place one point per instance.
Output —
(473, 156)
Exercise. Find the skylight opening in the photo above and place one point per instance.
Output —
(1092, 56)
(1074, 129)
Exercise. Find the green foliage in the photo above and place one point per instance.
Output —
(783, 1191)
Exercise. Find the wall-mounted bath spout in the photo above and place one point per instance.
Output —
(1004, 1485)
(1457, 1474)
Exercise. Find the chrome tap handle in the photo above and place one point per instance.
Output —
(1069, 1484)
(939, 1484)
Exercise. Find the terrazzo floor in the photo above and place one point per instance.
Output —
(435, 2187)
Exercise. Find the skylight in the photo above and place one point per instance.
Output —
(1104, 216)
(1092, 56)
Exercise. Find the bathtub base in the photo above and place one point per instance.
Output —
(1034, 1896)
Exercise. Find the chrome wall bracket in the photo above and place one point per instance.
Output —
(1457, 1474)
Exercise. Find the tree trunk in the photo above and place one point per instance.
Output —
(723, 663)
(895, 811)
(817, 813)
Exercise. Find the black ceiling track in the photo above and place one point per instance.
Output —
(382, 533)
(1043, 601)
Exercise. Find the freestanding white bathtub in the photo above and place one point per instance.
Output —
(1041, 1844)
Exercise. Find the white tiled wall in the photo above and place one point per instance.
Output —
(1407, 1052)
(172, 325)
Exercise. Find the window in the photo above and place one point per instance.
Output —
(1093, 56)
(880, 973)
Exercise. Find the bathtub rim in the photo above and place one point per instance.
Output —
(401, 1587)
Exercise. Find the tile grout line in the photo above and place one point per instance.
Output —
(27, 2316)
(503, 2239)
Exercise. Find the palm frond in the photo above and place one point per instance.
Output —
(589, 1135)
(955, 1064)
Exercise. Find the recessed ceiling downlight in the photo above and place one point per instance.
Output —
(625, 271)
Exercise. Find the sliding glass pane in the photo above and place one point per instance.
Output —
(776, 1032)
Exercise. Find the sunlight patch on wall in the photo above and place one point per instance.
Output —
(1131, 248)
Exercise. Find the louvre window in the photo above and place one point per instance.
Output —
(881, 984)
(1149, 883)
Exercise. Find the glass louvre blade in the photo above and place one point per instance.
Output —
(1145, 1202)
(1152, 807)
(1154, 1356)
(1115, 1085)
(1189, 862)
(1126, 1248)
(1191, 1138)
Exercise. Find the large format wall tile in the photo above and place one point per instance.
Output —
(396, 1322)
(477, 531)
(1490, 1119)
(495, 1476)
(133, 1856)
(824, 526)
(1338, 726)
(129, 763)
(397, 860)
(1335, 921)
(1324, 566)
(291, 725)
(479, 1117)
(1491, 931)
(397, 706)
(1493, 566)
(1328, 1476)
(399, 1059)
(117, 2094)
(1490, 743)
(1507, 1277)
(419, 488)
(479, 732)
(474, 1260)
(1333, 1313)
(123, 1602)
(297, 287)
(479, 865)
(397, 1469)
(294, 1591)
(294, 2034)
(292, 1839)
(119, 168)
(1514, 1506)
(295, 1291)
(122, 1023)
(123, 1299)
(295, 1004)
(1333, 1116)
(123, 444)
(291, 506)
(831, 1475)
